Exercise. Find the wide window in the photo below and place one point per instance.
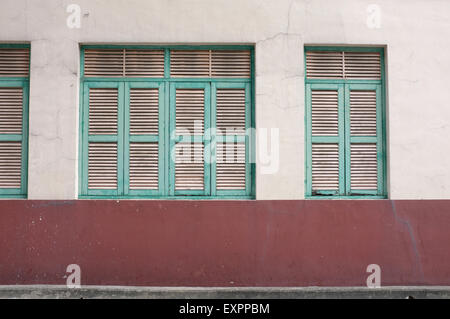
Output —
(345, 133)
(166, 121)
(14, 83)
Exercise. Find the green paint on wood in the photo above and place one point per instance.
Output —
(166, 142)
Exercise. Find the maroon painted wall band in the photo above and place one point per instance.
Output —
(225, 243)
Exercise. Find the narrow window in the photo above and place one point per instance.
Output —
(166, 122)
(14, 83)
(345, 134)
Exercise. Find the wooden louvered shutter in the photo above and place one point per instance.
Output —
(144, 142)
(147, 114)
(326, 135)
(364, 143)
(210, 63)
(343, 65)
(104, 136)
(190, 63)
(12, 101)
(345, 122)
(231, 168)
(190, 169)
(123, 62)
(14, 63)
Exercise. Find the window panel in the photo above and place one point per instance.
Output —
(14, 87)
(345, 152)
(152, 137)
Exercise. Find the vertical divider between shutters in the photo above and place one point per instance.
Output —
(380, 164)
(207, 141)
(172, 136)
(125, 155)
(308, 133)
(383, 136)
(165, 125)
(81, 129)
(161, 136)
(120, 139)
(248, 171)
(167, 144)
(167, 63)
(252, 145)
(347, 143)
(213, 140)
(24, 168)
(342, 138)
(85, 157)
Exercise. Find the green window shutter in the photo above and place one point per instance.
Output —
(104, 135)
(364, 140)
(14, 83)
(122, 62)
(144, 63)
(14, 61)
(344, 122)
(325, 110)
(149, 115)
(230, 64)
(190, 173)
(190, 63)
(349, 65)
(230, 143)
(144, 138)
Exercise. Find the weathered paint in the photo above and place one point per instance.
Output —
(225, 243)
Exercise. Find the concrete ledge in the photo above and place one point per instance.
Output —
(90, 292)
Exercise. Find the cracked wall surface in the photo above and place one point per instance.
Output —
(416, 34)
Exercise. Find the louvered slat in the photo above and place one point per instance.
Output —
(104, 63)
(189, 166)
(364, 166)
(230, 64)
(190, 110)
(363, 113)
(230, 166)
(325, 167)
(10, 164)
(343, 65)
(11, 106)
(14, 62)
(102, 165)
(144, 63)
(103, 103)
(190, 63)
(144, 106)
(324, 65)
(230, 111)
(143, 165)
(324, 113)
(362, 65)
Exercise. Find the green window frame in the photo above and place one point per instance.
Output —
(167, 86)
(21, 82)
(343, 137)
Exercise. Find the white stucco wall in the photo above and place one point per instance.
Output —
(415, 32)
